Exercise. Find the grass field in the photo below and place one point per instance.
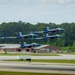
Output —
(55, 61)
(48, 61)
(32, 54)
(72, 53)
(26, 73)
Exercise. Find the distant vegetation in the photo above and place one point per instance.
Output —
(9, 29)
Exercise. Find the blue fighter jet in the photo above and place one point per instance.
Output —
(47, 36)
(19, 35)
(53, 36)
(24, 45)
(46, 30)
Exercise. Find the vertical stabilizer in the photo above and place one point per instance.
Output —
(19, 35)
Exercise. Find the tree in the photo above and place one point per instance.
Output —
(73, 43)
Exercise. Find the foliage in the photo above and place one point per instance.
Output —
(9, 29)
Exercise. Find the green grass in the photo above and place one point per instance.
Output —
(26, 73)
(31, 54)
(55, 61)
(72, 53)
(48, 61)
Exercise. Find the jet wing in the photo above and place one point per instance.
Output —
(55, 36)
(56, 30)
(28, 45)
(24, 36)
(29, 35)
(52, 37)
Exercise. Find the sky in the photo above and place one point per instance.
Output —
(34, 11)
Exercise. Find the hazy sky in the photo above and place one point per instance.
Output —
(33, 11)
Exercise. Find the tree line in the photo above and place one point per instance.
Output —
(9, 29)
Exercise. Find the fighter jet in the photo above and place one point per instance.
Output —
(46, 30)
(19, 35)
(24, 45)
(47, 36)
(53, 36)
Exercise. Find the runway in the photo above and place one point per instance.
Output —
(37, 67)
(18, 57)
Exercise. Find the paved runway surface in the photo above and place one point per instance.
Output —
(37, 67)
(60, 57)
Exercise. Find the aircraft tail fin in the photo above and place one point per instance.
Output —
(19, 35)
(23, 44)
(46, 29)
